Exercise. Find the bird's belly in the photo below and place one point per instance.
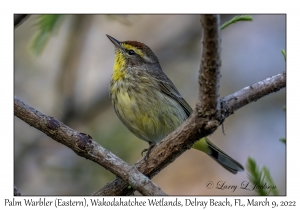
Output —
(150, 115)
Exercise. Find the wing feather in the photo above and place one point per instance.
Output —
(168, 88)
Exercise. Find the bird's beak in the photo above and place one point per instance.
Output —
(114, 41)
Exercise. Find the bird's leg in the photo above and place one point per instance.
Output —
(151, 145)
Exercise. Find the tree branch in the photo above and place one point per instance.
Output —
(83, 145)
(252, 93)
(19, 18)
(209, 74)
(16, 191)
(165, 152)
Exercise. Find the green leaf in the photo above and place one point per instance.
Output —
(270, 181)
(284, 54)
(283, 140)
(46, 25)
(261, 178)
(236, 19)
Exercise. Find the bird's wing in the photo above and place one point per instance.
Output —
(168, 88)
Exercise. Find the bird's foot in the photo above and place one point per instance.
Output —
(151, 145)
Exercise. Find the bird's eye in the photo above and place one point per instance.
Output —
(131, 52)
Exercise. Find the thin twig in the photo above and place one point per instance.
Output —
(252, 93)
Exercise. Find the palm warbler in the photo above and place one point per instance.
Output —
(148, 103)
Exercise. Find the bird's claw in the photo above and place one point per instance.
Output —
(148, 151)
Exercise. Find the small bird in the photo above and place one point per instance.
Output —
(148, 103)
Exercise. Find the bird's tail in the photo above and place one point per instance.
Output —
(218, 155)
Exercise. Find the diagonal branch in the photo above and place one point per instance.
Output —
(83, 145)
(252, 93)
(161, 155)
(16, 191)
(19, 18)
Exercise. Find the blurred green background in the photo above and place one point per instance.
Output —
(69, 80)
